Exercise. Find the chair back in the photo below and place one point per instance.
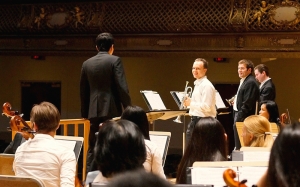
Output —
(14, 181)
(6, 161)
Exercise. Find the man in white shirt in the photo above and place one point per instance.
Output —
(203, 101)
(267, 89)
(43, 157)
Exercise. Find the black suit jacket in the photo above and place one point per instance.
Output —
(267, 91)
(103, 87)
(247, 97)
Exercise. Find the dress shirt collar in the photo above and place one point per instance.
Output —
(198, 81)
(43, 136)
(262, 83)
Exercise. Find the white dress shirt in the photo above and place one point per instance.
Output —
(45, 158)
(203, 101)
(153, 161)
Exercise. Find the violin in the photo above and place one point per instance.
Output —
(285, 119)
(17, 123)
(229, 175)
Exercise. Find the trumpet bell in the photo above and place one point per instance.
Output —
(178, 119)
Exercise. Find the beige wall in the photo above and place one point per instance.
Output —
(160, 74)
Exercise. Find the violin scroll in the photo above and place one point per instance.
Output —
(229, 176)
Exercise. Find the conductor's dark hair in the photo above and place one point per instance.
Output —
(138, 116)
(120, 147)
(284, 164)
(104, 41)
(208, 143)
(138, 178)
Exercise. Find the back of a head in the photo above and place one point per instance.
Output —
(208, 143)
(209, 137)
(260, 128)
(120, 147)
(138, 116)
(284, 166)
(104, 41)
(45, 116)
(138, 178)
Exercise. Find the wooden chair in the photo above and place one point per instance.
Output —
(14, 181)
(6, 161)
(66, 123)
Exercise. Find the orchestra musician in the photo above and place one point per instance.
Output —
(267, 89)
(284, 166)
(257, 132)
(43, 157)
(245, 101)
(203, 101)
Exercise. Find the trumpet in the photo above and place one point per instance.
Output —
(230, 101)
(187, 93)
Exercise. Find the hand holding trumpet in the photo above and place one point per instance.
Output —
(186, 101)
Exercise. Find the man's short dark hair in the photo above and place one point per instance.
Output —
(248, 63)
(104, 41)
(261, 68)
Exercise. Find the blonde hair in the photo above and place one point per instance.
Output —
(260, 128)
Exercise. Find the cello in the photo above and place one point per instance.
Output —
(17, 123)
(229, 175)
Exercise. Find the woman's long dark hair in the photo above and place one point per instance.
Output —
(208, 143)
(284, 164)
(138, 116)
(272, 108)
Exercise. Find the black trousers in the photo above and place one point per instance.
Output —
(94, 122)
(235, 133)
(190, 128)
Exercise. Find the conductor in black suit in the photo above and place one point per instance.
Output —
(245, 102)
(267, 89)
(103, 88)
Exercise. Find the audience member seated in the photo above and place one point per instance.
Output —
(257, 132)
(120, 147)
(269, 110)
(138, 178)
(153, 161)
(284, 164)
(43, 157)
(208, 143)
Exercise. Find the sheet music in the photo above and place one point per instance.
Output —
(67, 143)
(154, 100)
(252, 174)
(209, 175)
(162, 143)
(256, 155)
(219, 101)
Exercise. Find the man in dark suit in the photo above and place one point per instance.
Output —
(267, 89)
(245, 102)
(103, 88)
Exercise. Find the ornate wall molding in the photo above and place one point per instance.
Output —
(160, 27)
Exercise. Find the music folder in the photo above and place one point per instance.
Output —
(72, 142)
(153, 100)
(177, 96)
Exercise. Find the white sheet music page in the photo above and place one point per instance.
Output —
(155, 101)
(69, 144)
(219, 101)
(256, 155)
(252, 174)
(209, 175)
(160, 141)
